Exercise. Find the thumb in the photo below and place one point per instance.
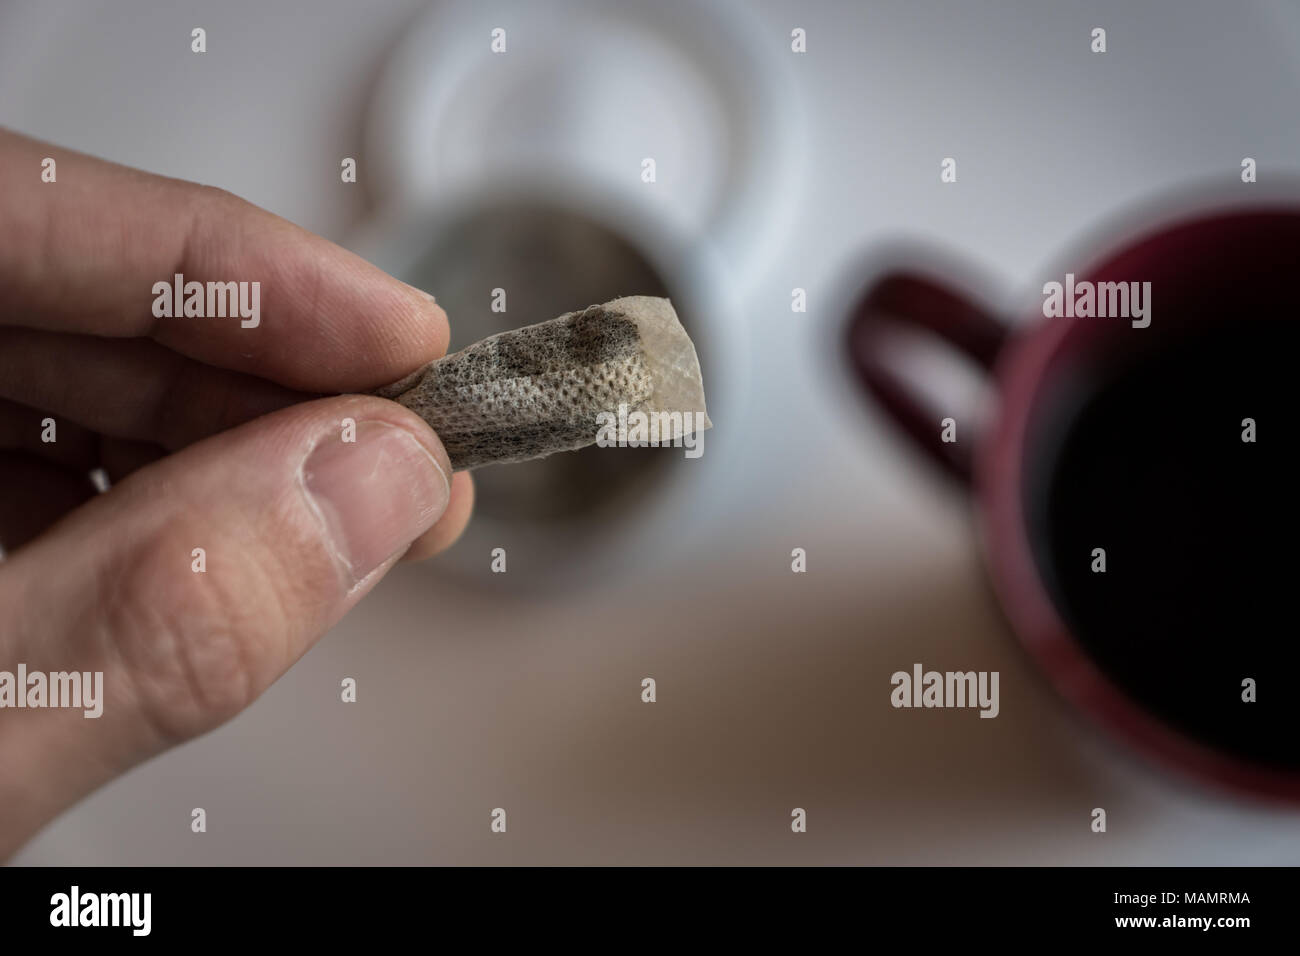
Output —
(199, 580)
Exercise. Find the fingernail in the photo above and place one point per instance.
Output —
(421, 293)
(374, 496)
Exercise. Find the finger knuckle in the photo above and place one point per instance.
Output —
(196, 653)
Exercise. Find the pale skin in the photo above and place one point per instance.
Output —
(214, 437)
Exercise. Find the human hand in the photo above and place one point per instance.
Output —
(214, 439)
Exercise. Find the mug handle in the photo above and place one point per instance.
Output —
(908, 299)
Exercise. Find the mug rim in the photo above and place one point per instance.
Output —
(395, 236)
(1020, 375)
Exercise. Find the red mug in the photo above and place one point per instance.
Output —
(1137, 503)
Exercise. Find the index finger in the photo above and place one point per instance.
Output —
(84, 253)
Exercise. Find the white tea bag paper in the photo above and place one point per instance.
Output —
(546, 388)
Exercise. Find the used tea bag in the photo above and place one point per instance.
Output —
(531, 392)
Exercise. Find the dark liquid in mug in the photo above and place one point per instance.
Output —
(1199, 528)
